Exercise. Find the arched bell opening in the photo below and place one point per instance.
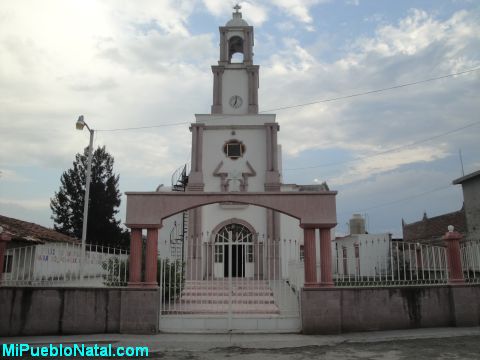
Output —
(235, 50)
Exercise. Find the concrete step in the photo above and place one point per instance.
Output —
(221, 309)
(213, 297)
(225, 292)
(252, 300)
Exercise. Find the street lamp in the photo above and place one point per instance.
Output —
(80, 125)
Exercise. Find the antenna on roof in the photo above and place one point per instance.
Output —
(461, 161)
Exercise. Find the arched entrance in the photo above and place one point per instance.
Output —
(192, 299)
(234, 251)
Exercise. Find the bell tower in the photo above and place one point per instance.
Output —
(235, 78)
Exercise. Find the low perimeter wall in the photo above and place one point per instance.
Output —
(338, 310)
(45, 311)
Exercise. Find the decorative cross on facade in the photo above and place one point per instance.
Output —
(237, 8)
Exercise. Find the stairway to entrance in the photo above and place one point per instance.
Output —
(236, 296)
(231, 305)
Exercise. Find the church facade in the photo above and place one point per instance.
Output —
(234, 149)
(231, 246)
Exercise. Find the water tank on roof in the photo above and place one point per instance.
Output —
(357, 224)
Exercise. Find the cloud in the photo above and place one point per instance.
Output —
(256, 12)
(131, 66)
(12, 176)
(298, 9)
(418, 47)
(125, 69)
(31, 204)
(364, 169)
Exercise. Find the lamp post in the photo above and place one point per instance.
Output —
(80, 125)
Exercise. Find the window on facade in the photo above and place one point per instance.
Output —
(234, 149)
(250, 253)
(302, 253)
(236, 233)
(218, 253)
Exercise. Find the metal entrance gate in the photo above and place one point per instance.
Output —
(230, 282)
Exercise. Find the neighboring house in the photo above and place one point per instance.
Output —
(34, 249)
(361, 253)
(25, 233)
(36, 254)
(466, 220)
(471, 200)
(431, 230)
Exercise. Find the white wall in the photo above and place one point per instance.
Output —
(373, 254)
(165, 249)
(235, 82)
(255, 153)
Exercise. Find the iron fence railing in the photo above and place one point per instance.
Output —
(381, 262)
(58, 264)
(470, 254)
(229, 276)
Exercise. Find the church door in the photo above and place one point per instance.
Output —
(233, 252)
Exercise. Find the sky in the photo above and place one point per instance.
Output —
(391, 155)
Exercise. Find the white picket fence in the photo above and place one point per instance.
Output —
(58, 264)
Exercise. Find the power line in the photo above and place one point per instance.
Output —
(387, 151)
(313, 102)
(145, 127)
(402, 199)
(377, 90)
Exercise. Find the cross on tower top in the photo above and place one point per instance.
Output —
(237, 8)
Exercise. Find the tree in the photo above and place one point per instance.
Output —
(67, 203)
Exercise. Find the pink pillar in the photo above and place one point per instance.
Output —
(151, 258)
(310, 257)
(135, 258)
(326, 279)
(4, 238)
(454, 260)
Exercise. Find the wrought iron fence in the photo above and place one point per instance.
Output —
(470, 253)
(58, 264)
(382, 262)
(244, 275)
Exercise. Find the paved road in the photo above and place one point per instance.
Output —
(444, 343)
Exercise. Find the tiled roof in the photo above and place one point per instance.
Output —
(434, 228)
(32, 233)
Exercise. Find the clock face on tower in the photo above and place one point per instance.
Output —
(235, 101)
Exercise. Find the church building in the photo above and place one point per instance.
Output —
(234, 245)
(234, 149)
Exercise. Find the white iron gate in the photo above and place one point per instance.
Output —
(230, 282)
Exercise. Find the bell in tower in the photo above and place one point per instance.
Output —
(235, 83)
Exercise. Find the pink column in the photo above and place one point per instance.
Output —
(135, 258)
(326, 279)
(310, 257)
(151, 258)
(4, 238)
(454, 260)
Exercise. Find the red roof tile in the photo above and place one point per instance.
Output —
(33, 233)
(434, 228)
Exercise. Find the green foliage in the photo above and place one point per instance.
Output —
(117, 271)
(172, 278)
(67, 203)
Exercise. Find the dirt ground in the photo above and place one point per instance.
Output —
(466, 347)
